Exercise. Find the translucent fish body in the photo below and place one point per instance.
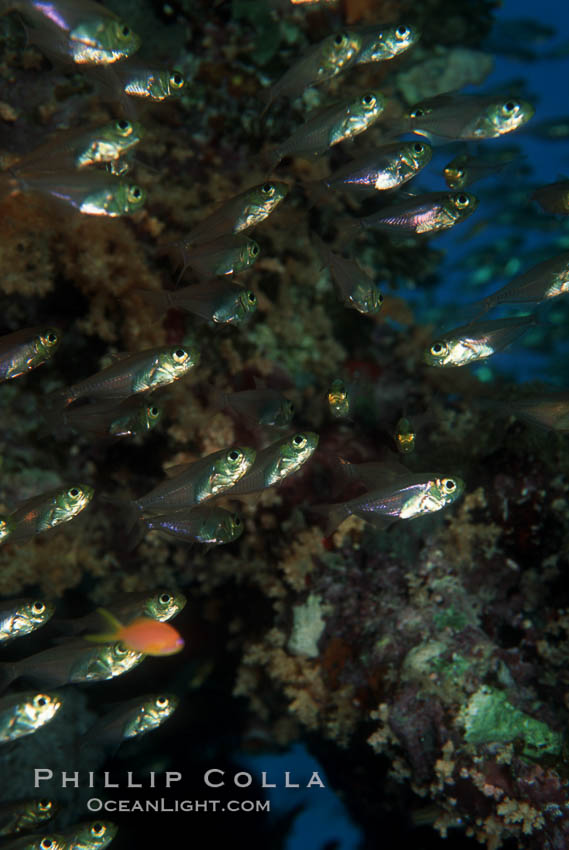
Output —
(419, 496)
(355, 287)
(48, 510)
(90, 193)
(469, 116)
(153, 85)
(464, 170)
(19, 617)
(476, 341)
(93, 835)
(338, 399)
(25, 350)
(213, 526)
(111, 419)
(404, 437)
(240, 213)
(321, 62)
(386, 168)
(428, 213)
(82, 32)
(24, 713)
(195, 482)
(142, 372)
(223, 256)
(277, 462)
(263, 406)
(333, 125)
(25, 815)
(217, 301)
(385, 43)
(38, 841)
(546, 280)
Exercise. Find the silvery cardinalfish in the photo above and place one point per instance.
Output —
(546, 280)
(206, 525)
(263, 405)
(464, 170)
(330, 126)
(465, 116)
(549, 409)
(387, 167)
(90, 192)
(469, 343)
(223, 256)
(217, 301)
(339, 401)
(276, 462)
(195, 482)
(47, 511)
(320, 63)
(72, 661)
(130, 720)
(428, 213)
(26, 349)
(160, 604)
(380, 44)
(240, 213)
(79, 31)
(356, 288)
(126, 418)
(81, 148)
(38, 841)
(19, 617)
(93, 835)
(394, 495)
(142, 372)
(24, 815)
(24, 713)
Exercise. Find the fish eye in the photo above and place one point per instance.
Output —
(254, 249)
(380, 297)
(402, 32)
(251, 298)
(125, 31)
(340, 39)
(462, 201)
(437, 348)
(290, 407)
(299, 441)
(235, 455)
(52, 337)
(417, 113)
(236, 521)
(98, 829)
(44, 805)
(165, 599)
(418, 147)
(268, 189)
(180, 355)
(162, 702)
(74, 492)
(449, 484)
(124, 127)
(510, 106)
(176, 80)
(38, 607)
(40, 701)
(46, 843)
(134, 193)
(368, 100)
(120, 650)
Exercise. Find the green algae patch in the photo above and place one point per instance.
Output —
(488, 718)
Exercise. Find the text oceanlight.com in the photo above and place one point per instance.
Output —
(95, 804)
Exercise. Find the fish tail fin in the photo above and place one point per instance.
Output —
(156, 297)
(334, 515)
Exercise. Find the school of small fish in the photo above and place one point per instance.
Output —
(85, 170)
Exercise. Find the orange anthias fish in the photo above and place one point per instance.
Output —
(151, 637)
